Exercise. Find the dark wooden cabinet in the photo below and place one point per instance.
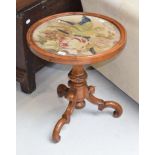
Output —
(29, 12)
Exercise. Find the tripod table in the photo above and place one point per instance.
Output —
(77, 38)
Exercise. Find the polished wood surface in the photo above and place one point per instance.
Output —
(51, 57)
(77, 91)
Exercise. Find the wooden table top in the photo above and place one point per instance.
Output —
(76, 38)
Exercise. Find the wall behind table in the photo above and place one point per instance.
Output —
(123, 70)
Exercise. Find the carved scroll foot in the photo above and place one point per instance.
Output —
(64, 120)
(112, 104)
(56, 137)
(103, 104)
(62, 90)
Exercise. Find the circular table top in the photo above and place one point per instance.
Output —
(76, 38)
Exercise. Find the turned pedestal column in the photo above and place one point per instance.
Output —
(77, 92)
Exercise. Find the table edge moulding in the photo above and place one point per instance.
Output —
(76, 59)
(77, 90)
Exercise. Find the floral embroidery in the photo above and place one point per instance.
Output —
(76, 35)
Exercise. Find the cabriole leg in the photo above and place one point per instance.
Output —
(103, 104)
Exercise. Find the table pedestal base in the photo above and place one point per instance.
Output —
(76, 93)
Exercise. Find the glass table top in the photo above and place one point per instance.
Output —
(77, 35)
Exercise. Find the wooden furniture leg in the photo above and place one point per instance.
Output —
(103, 104)
(76, 93)
(64, 120)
